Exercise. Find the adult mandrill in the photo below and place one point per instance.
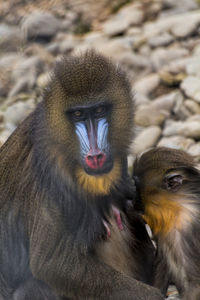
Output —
(169, 181)
(64, 231)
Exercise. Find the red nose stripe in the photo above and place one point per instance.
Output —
(95, 161)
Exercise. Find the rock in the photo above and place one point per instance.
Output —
(161, 56)
(196, 50)
(192, 106)
(161, 40)
(43, 79)
(116, 26)
(66, 46)
(191, 87)
(176, 142)
(186, 26)
(170, 79)
(25, 74)
(187, 129)
(180, 26)
(157, 111)
(36, 50)
(147, 84)
(10, 38)
(40, 25)
(195, 118)
(146, 139)
(119, 23)
(4, 135)
(180, 5)
(148, 116)
(111, 48)
(134, 62)
(16, 113)
(180, 110)
(22, 85)
(134, 31)
(194, 149)
(140, 99)
(54, 48)
(8, 61)
(30, 65)
(167, 102)
(193, 66)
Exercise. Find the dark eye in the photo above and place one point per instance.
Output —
(100, 110)
(173, 182)
(77, 114)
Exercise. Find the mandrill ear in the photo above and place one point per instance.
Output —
(173, 181)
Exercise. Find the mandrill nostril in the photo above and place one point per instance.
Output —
(95, 160)
(89, 157)
(99, 156)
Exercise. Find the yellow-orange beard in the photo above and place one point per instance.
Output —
(163, 214)
(99, 184)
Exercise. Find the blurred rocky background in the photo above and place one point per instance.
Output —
(156, 41)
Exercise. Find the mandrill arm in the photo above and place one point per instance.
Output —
(73, 270)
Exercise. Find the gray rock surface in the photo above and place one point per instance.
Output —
(40, 24)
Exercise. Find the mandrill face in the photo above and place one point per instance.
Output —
(89, 110)
(91, 127)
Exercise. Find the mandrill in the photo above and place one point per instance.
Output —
(169, 185)
(65, 232)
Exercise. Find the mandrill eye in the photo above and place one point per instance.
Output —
(99, 111)
(77, 113)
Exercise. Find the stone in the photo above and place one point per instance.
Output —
(192, 106)
(25, 74)
(17, 112)
(161, 56)
(11, 38)
(188, 129)
(147, 84)
(140, 99)
(184, 5)
(119, 23)
(180, 25)
(176, 142)
(167, 102)
(156, 112)
(38, 51)
(4, 135)
(193, 66)
(191, 87)
(171, 79)
(111, 48)
(195, 118)
(134, 61)
(146, 139)
(148, 116)
(68, 44)
(179, 110)
(30, 65)
(43, 79)
(40, 25)
(161, 40)
(194, 149)
(185, 27)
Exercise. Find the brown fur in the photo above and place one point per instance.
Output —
(51, 221)
(169, 185)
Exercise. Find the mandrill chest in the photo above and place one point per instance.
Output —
(116, 249)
